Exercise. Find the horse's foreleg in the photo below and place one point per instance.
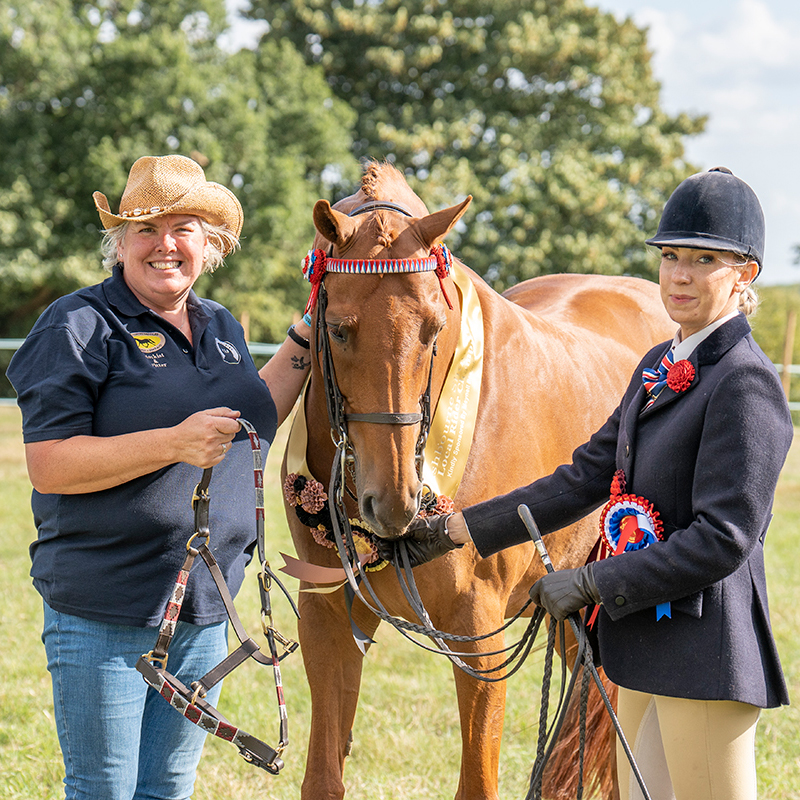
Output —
(333, 666)
(481, 708)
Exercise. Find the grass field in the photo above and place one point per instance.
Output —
(407, 740)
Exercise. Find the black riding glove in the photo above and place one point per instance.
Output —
(425, 539)
(565, 591)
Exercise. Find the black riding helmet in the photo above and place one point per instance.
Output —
(713, 210)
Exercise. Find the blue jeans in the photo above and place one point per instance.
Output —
(120, 740)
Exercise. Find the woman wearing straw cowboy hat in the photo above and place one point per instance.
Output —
(127, 389)
(692, 457)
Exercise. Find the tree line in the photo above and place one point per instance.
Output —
(546, 112)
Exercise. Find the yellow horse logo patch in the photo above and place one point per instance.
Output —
(149, 342)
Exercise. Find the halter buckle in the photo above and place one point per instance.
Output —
(199, 691)
(159, 662)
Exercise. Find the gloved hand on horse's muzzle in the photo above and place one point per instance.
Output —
(565, 591)
(426, 538)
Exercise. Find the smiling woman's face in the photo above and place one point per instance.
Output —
(162, 258)
(701, 286)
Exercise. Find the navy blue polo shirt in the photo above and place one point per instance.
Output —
(99, 363)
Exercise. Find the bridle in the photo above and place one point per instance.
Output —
(189, 700)
(316, 265)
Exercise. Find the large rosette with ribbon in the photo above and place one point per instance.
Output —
(629, 523)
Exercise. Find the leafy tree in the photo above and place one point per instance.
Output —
(87, 88)
(546, 111)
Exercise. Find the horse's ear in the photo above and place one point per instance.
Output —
(436, 226)
(336, 227)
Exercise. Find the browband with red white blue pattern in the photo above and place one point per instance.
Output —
(317, 263)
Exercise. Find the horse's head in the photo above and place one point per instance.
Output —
(382, 331)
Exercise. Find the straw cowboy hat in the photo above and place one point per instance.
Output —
(159, 185)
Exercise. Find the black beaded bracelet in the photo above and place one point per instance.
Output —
(297, 338)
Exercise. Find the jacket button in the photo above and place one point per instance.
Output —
(627, 450)
(619, 600)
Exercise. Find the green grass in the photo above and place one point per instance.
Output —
(407, 738)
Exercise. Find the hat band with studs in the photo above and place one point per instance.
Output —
(138, 212)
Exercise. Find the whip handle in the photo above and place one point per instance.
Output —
(533, 530)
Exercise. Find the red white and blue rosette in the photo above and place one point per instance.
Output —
(629, 523)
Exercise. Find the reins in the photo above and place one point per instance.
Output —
(189, 701)
(355, 573)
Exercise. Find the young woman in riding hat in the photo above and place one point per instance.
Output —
(128, 389)
(687, 467)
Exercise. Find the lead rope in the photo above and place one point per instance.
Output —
(190, 702)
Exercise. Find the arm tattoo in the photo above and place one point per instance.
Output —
(300, 362)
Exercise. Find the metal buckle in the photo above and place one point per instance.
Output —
(159, 662)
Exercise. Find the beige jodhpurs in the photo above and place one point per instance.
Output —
(687, 749)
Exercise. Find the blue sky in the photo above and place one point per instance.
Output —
(737, 61)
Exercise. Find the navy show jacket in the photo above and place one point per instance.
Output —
(708, 459)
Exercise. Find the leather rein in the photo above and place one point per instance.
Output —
(189, 701)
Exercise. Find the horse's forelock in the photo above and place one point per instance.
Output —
(383, 181)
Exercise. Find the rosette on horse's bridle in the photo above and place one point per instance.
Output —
(189, 701)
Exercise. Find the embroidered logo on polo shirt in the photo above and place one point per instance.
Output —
(230, 355)
(149, 342)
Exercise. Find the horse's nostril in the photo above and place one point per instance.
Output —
(368, 510)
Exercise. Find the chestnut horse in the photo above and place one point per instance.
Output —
(557, 354)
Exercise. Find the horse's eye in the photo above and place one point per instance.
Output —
(338, 333)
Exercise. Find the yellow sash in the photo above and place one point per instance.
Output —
(453, 423)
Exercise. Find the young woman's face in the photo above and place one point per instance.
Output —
(701, 286)
(162, 258)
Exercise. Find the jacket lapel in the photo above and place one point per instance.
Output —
(709, 351)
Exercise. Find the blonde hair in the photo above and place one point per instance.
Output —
(748, 299)
(220, 239)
